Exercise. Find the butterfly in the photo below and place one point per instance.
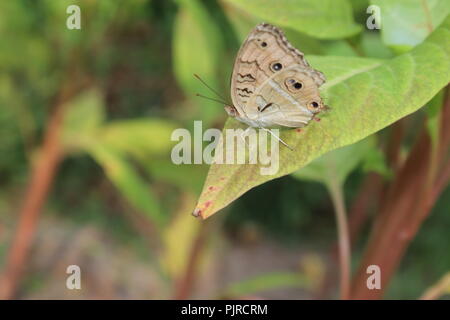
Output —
(272, 85)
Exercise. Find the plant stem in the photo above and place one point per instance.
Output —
(337, 197)
(185, 285)
(39, 185)
(409, 200)
(364, 201)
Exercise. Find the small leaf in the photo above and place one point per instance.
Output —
(326, 19)
(337, 164)
(185, 176)
(375, 161)
(84, 115)
(406, 23)
(373, 46)
(110, 143)
(128, 182)
(140, 137)
(268, 281)
(197, 47)
(365, 96)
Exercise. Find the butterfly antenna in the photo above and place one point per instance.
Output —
(212, 99)
(206, 85)
(278, 138)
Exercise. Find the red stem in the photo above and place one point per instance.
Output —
(408, 202)
(186, 283)
(39, 185)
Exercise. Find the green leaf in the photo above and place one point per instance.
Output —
(83, 126)
(243, 24)
(197, 47)
(186, 176)
(406, 23)
(128, 182)
(85, 113)
(338, 48)
(433, 109)
(375, 161)
(373, 46)
(337, 164)
(178, 238)
(138, 137)
(327, 19)
(267, 281)
(109, 144)
(365, 95)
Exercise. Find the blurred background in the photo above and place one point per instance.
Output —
(86, 176)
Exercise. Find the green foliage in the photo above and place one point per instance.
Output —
(129, 183)
(267, 282)
(85, 114)
(406, 23)
(338, 164)
(329, 19)
(140, 57)
(113, 143)
(178, 240)
(197, 47)
(141, 138)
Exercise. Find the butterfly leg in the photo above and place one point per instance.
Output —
(278, 138)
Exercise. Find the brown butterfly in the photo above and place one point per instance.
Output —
(272, 84)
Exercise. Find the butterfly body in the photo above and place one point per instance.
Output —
(272, 84)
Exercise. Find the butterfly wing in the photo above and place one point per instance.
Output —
(288, 98)
(259, 89)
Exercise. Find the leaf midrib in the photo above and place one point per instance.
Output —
(350, 74)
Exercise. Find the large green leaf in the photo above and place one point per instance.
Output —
(243, 23)
(327, 19)
(365, 96)
(406, 23)
(197, 48)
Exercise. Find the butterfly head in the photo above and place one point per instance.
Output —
(232, 112)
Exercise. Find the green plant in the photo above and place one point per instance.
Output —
(87, 115)
(365, 95)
